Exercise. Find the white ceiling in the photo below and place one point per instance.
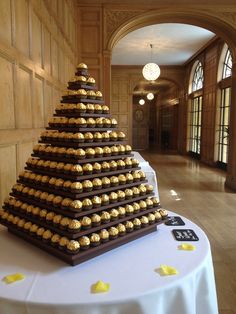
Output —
(173, 44)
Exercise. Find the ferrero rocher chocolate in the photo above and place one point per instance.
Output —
(113, 197)
(113, 165)
(84, 243)
(91, 94)
(27, 225)
(74, 225)
(121, 136)
(149, 188)
(142, 189)
(151, 218)
(144, 221)
(73, 246)
(149, 203)
(55, 239)
(82, 66)
(128, 193)
(77, 186)
(94, 239)
(122, 179)
(105, 109)
(114, 181)
(104, 235)
(155, 201)
(63, 242)
(163, 212)
(76, 169)
(88, 136)
(96, 200)
(106, 182)
(98, 108)
(105, 166)
(113, 232)
(91, 122)
(106, 151)
(97, 137)
(114, 214)
(64, 222)
(105, 199)
(98, 151)
(105, 217)
(120, 164)
(96, 220)
(113, 122)
(135, 191)
(87, 185)
(121, 211)
(66, 203)
(105, 137)
(76, 205)
(143, 205)
(90, 152)
(49, 216)
(121, 195)
(137, 223)
(136, 207)
(87, 204)
(128, 149)
(97, 167)
(157, 215)
(98, 94)
(88, 168)
(47, 235)
(129, 209)
(121, 229)
(129, 226)
(97, 183)
(86, 222)
(91, 80)
(33, 229)
(40, 231)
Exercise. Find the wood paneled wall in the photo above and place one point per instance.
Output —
(38, 47)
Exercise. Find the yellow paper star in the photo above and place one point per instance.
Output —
(186, 247)
(13, 278)
(100, 287)
(166, 270)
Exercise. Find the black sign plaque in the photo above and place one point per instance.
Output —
(174, 221)
(185, 235)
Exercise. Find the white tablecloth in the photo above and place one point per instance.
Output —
(149, 171)
(52, 287)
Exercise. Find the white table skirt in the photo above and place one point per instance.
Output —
(149, 171)
(55, 288)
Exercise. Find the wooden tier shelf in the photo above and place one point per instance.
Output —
(84, 194)
(76, 86)
(77, 214)
(83, 256)
(75, 100)
(80, 145)
(82, 232)
(80, 114)
(80, 161)
(79, 129)
(80, 177)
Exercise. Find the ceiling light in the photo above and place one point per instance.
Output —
(141, 102)
(151, 71)
(150, 96)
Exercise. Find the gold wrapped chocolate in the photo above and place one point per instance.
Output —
(59, 182)
(113, 196)
(142, 205)
(78, 136)
(55, 239)
(105, 108)
(84, 241)
(113, 122)
(81, 121)
(87, 202)
(97, 166)
(151, 218)
(107, 122)
(114, 213)
(142, 188)
(63, 242)
(121, 211)
(64, 222)
(98, 151)
(128, 148)
(76, 204)
(34, 228)
(129, 209)
(74, 225)
(104, 234)
(95, 219)
(15, 219)
(106, 150)
(90, 151)
(155, 201)
(96, 200)
(42, 213)
(20, 223)
(36, 211)
(129, 177)
(98, 94)
(105, 198)
(94, 238)
(136, 222)
(40, 232)
(135, 162)
(88, 136)
(105, 136)
(57, 200)
(121, 228)
(163, 212)
(129, 225)
(113, 135)
(49, 216)
(91, 80)
(97, 182)
(57, 219)
(136, 207)
(52, 181)
(122, 178)
(105, 216)
(114, 150)
(73, 246)
(86, 221)
(106, 181)
(87, 184)
(113, 164)
(157, 215)
(91, 94)
(113, 232)
(66, 202)
(149, 188)
(114, 180)
(97, 136)
(149, 203)
(91, 122)
(11, 217)
(81, 78)
(68, 167)
(105, 165)
(67, 185)
(87, 168)
(121, 194)
(98, 107)
(81, 92)
(50, 198)
(121, 135)
(135, 191)
(121, 163)
(81, 106)
(128, 193)
(144, 220)
(47, 235)
(136, 176)
(82, 66)
(76, 186)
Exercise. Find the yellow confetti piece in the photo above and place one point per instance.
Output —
(166, 270)
(187, 247)
(100, 287)
(13, 278)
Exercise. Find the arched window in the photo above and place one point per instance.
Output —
(197, 82)
(225, 72)
(227, 65)
(195, 109)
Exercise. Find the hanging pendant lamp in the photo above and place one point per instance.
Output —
(151, 71)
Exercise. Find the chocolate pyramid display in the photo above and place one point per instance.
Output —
(82, 192)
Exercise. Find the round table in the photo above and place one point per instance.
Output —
(136, 285)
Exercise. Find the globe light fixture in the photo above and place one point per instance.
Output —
(151, 71)
(150, 96)
(141, 102)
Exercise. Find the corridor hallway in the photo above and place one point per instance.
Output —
(197, 192)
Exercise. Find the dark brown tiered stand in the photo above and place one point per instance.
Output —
(82, 255)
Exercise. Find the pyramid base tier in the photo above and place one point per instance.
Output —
(90, 253)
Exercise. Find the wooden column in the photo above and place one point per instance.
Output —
(231, 168)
